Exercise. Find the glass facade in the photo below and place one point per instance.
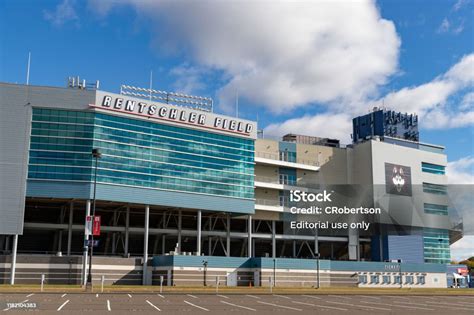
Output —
(435, 189)
(433, 168)
(436, 246)
(139, 153)
(435, 209)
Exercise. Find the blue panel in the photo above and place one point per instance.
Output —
(409, 248)
(174, 199)
(375, 248)
(55, 189)
(198, 261)
(289, 263)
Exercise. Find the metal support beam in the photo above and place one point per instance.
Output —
(273, 239)
(69, 228)
(180, 227)
(114, 235)
(145, 244)
(127, 232)
(85, 248)
(163, 244)
(228, 235)
(249, 238)
(199, 227)
(13, 265)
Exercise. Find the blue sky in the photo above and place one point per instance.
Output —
(305, 68)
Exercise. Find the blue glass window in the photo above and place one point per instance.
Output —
(139, 153)
(433, 168)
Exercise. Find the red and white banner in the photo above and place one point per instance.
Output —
(96, 226)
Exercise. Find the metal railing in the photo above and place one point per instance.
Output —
(276, 180)
(268, 202)
(277, 157)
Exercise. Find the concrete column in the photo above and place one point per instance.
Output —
(145, 243)
(69, 228)
(228, 235)
(163, 244)
(209, 249)
(180, 223)
(127, 227)
(13, 265)
(85, 252)
(273, 239)
(199, 226)
(114, 234)
(353, 245)
(316, 243)
(249, 241)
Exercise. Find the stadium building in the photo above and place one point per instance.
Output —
(190, 197)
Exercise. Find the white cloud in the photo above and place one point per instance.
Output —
(283, 55)
(279, 54)
(189, 79)
(444, 26)
(463, 249)
(63, 13)
(336, 126)
(467, 101)
(459, 4)
(430, 100)
(461, 171)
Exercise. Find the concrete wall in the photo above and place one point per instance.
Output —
(408, 210)
(16, 102)
(68, 269)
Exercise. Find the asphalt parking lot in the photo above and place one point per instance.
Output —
(121, 303)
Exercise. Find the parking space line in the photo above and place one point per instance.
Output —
(415, 303)
(447, 305)
(363, 306)
(405, 306)
(62, 305)
(197, 306)
(193, 296)
(64, 295)
(285, 297)
(244, 307)
(322, 306)
(129, 295)
(155, 307)
(30, 295)
(108, 306)
(223, 296)
(253, 296)
(370, 297)
(281, 306)
(161, 296)
(312, 296)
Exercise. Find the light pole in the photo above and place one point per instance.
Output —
(400, 272)
(97, 155)
(317, 268)
(274, 272)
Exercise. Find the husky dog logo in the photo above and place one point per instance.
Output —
(398, 178)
